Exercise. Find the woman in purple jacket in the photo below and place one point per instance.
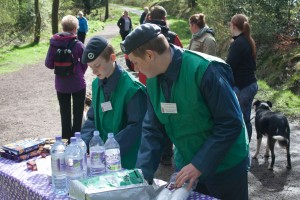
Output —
(72, 85)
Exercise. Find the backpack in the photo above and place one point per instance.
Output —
(64, 60)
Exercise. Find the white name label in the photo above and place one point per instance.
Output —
(168, 108)
(106, 106)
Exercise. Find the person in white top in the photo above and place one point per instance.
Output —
(125, 25)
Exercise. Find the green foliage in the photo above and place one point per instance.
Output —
(95, 26)
(183, 33)
(281, 69)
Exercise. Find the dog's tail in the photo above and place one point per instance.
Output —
(279, 138)
(283, 142)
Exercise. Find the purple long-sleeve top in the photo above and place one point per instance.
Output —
(72, 83)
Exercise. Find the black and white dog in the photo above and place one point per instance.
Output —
(275, 126)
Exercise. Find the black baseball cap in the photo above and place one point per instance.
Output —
(93, 49)
(139, 36)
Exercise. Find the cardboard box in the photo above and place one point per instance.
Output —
(125, 185)
(25, 156)
(23, 146)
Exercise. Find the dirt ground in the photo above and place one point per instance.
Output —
(29, 108)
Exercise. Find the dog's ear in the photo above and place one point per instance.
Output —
(256, 103)
(269, 103)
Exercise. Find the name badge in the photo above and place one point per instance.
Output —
(168, 108)
(106, 106)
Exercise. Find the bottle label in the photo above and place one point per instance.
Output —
(113, 159)
(57, 165)
(74, 166)
(97, 158)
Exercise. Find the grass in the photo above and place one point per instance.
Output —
(18, 57)
(283, 100)
(95, 26)
(183, 33)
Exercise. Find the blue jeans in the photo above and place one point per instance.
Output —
(245, 97)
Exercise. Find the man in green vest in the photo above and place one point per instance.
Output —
(119, 101)
(191, 100)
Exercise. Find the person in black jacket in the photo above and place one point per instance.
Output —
(125, 25)
(242, 59)
(144, 14)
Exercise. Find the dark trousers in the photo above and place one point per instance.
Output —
(64, 99)
(231, 184)
(124, 34)
(81, 36)
(168, 150)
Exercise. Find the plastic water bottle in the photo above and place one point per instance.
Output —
(59, 181)
(83, 147)
(97, 155)
(73, 161)
(112, 154)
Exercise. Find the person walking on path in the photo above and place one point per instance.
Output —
(125, 24)
(83, 27)
(204, 122)
(71, 86)
(203, 37)
(119, 101)
(242, 59)
(144, 14)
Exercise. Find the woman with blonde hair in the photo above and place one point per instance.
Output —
(125, 24)
(242, 59)
(203, 37)
(70, 87)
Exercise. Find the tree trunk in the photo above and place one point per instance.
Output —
(38, 21)
(191, 3)
(106, 10)
(55, 7)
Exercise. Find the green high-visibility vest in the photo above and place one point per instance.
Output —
(190, 127)
(115, 120)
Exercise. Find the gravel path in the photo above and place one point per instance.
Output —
(29, 108)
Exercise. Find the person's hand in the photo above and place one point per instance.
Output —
(187, 173)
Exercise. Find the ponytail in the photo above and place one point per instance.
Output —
(241, 22)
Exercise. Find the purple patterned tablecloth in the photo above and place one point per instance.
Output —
(19, 183)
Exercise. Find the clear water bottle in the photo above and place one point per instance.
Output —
(73, 161)
(97, 155)
(83, 147)
(59, 183)
(112, 154)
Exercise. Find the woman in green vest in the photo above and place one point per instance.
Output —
(118, 101)
(191, 100)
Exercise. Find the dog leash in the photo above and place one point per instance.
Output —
(252, 118)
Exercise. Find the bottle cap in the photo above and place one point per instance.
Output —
(58, 138)
(73, 139)
(110, 135)
(96, 132)
(77, 134)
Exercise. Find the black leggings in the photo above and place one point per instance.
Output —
(64, 99)
(81, 36)
(124, 34)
